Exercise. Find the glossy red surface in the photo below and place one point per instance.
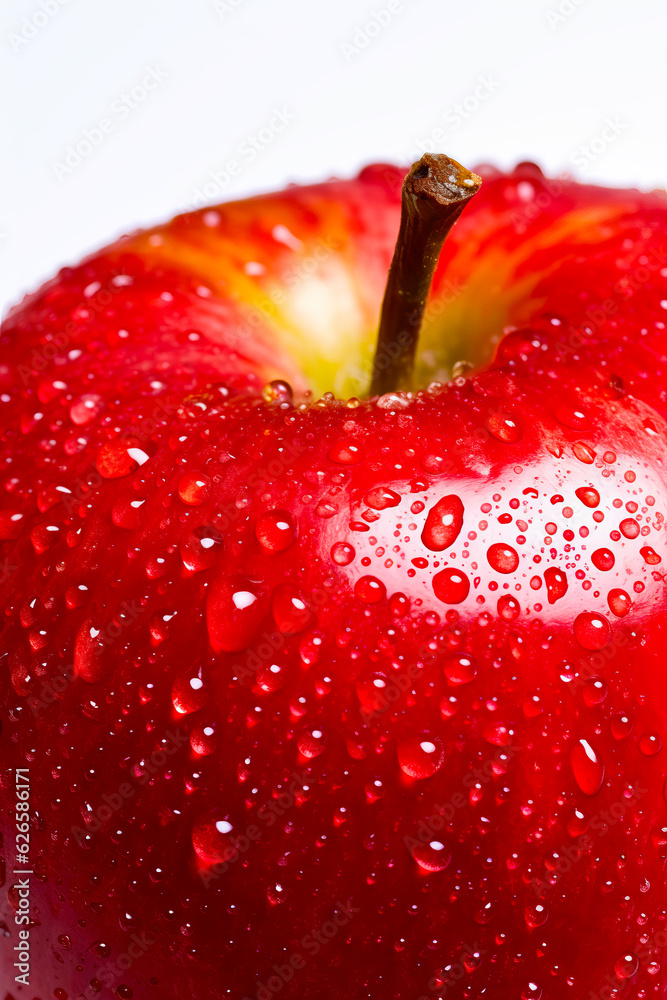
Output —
(336, 697)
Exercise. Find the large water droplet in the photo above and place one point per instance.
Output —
(432, 856)
(119, 458)
(212, 839)
(345, 452)
(505, 428)
(459, 668)
(587, 769)
(629, 527)
(451, 586)
(626, 966)
(443, 523)
(503, 558)
(650, 556)
(603, 559)
(126, 512)
(421, 755)
(556, 581)
(84, 409)
(234, 612)
(200, 547)
(290, 612)
(190, 691)
(508, 607)
(591, 630)
(194, 488)
(275, 531)
(619, 602)
(88, 649)
(370, 590)
(380, 498)
(311, 742)
(342, 553)
(588, 496)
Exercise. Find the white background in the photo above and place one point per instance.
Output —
(532, 79)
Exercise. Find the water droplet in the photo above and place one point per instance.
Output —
(629, 527)
(588, 496)
(508, 607)
(345, 452)
(587, 769)
(200, 547)
(451, 586)
(86, 408)
(603, 559)
(275, 531)
(595, 691)
(194, 488)
(119, 458)
(620, 726)
(626, 966)
(556, 581)
(459, 669)
(342, 553)
(650, 557)
(650, 744)
(583, 452)
(503, 558)
(380, 498)
(203, 738)
(504, 428)
(189, 692)
(574, 418)
(290, 612)
(277, 391)
(591, 630)
(234, 612)
(619, 602)
(11, 524)
(536, 916)
(126, 512)
(88, 649)
(531, 992)
(443, 523)
(371, 692)
(432, 856)
(211, 838)
(421, 755)
(370, 590)
(498, 734)
(311, 743)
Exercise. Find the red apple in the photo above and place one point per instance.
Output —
(318, 696)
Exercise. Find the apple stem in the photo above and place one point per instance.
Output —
(435, 192)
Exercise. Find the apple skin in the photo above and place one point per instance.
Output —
(379, 645)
